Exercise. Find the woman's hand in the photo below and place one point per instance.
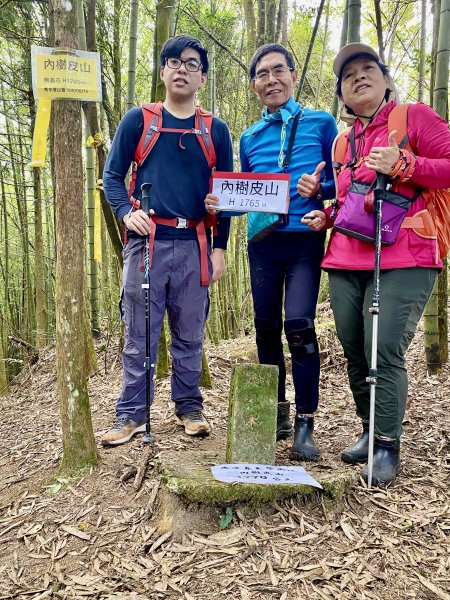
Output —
(383, 158)
(315, 219)
(211, 203)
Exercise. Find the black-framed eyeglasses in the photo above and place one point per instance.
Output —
(277, 72)
(191, 64)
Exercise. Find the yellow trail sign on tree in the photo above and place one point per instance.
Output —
(60, 73)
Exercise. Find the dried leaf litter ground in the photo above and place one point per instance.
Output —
(97, 537)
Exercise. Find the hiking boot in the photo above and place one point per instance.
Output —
(284, 425)
(357, 452)
(122, 431)
(386, 462)
(304, 447)
(194, 423)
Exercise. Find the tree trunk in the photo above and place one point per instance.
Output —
(79, 449)
(322, 56)
(422, 52)
(250, 21)
(440, 94)
(308, 54)
(50, 256)
(431, 334)
(436, 10)
(281, 14)
(132, 53)
(443, 313)
(91, 114)
(3, 377)
(435, 315)
(379, 28)
(212, 80)
(164, 9)
(90, 184)
(261, 24)
(92, 263)
(106, 296)
(40, 300)
(117, 53)
(22, 201)
(162, 361)
(6, 245)
(440, 91)
(271, 12)
(354, 21)
(22, 313)
(205, 378)
(344, 32)
(396, 15)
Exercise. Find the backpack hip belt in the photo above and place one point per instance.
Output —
(181, 223)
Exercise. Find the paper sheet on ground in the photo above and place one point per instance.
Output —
(248, 473)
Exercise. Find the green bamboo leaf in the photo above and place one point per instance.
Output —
(54, 489)
(226, 519)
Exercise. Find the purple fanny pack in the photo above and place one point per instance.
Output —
(356, 217)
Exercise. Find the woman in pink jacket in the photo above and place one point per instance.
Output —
(409, 266)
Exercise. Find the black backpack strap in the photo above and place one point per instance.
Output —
(353, 144)
(287, 158)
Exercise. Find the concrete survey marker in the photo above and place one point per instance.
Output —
(252, 414)
(250, 439)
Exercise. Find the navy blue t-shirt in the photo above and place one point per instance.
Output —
(179, 176)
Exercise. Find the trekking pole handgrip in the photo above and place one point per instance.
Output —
(145, 197)
(381, 182)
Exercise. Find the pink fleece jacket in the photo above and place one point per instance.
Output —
(429, 138)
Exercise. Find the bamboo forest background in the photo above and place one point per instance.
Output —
(128, 34)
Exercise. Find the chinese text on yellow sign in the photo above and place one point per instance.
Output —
(70, 74)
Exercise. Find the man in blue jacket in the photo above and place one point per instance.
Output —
(179, 173)
(287, 261)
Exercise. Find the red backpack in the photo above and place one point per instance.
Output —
(434, 221)
(152, 114)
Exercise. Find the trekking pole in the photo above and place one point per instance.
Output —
(380, 187)
(145, 206)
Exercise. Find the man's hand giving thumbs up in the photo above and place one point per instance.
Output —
(308, 185)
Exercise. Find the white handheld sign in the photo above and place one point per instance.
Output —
(252, 192)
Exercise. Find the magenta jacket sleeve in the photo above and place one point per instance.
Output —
(429, 138)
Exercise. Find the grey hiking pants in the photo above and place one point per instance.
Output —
(403, 295)
(175, 285)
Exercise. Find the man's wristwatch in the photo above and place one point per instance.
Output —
(320, 194)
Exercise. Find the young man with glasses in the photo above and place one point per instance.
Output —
(287, 261)
(179, 174)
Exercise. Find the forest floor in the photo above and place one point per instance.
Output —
(97, 537)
